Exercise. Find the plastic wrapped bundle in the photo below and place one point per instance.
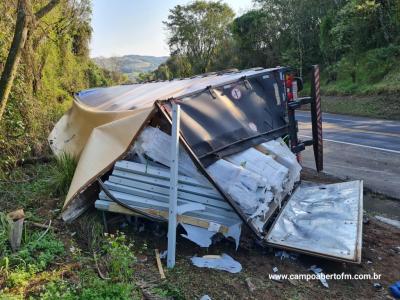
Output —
(249, 190)
(265, 166)
(284, 156)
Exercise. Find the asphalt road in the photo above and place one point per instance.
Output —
(358, 148)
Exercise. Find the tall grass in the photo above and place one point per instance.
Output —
(4, 232)
(63, 172)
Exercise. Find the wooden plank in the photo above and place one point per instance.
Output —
(159, 265)
(116, 208)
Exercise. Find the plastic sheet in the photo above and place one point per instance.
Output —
(203, 237)
(249, 190)
(275, 174)
(224, 263)
(285, 157)
(156, 144)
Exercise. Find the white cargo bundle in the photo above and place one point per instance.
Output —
(275, 174)
(251, 178)
(285, 157)
(248, 189)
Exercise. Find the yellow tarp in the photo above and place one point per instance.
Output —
(97, 138)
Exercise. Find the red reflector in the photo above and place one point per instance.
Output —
(290, 95)
(289, 81)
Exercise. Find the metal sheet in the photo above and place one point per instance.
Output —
(232, 118)
(129, 97)
(324, 220)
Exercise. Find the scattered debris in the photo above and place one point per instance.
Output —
(388, 221)
(283, 254)
(293, 282)
(275, 269)
(45, 232)
(369, 262)
(250, 285)
(221, 262)
(163, 255)
(141, 258)
(320, 275)
(203, 237)
(377, 286)
(198, 235)
(205, 297)
(159, 265)
(44, 226)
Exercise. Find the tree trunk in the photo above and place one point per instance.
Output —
(14, 55)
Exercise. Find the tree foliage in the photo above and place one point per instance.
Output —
(196, 30)
(54, 64)
(344, 36)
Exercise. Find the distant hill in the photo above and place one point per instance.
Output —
(130, 65)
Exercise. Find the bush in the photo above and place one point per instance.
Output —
(119, 257)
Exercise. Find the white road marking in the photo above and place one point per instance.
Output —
(358, 145)
(326, 116)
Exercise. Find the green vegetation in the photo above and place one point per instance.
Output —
(67, 262)
(54, 64)
(376, 106)
(356, 42)
(63, 172)
(130, 65)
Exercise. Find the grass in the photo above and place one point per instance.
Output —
(52, 265)
(380, 107)
(63, 172)
(375, 92)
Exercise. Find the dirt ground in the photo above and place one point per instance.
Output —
(380, 255)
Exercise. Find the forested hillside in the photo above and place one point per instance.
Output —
(357, 42)
(130, 65)
(54, 63)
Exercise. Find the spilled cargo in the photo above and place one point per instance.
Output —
(212, 153)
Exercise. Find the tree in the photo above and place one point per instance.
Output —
(26, 21)
(197, 30)
(258, 39)
(287, 31)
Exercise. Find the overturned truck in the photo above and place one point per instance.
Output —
(237, 164)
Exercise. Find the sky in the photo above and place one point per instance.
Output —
(122, 27)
